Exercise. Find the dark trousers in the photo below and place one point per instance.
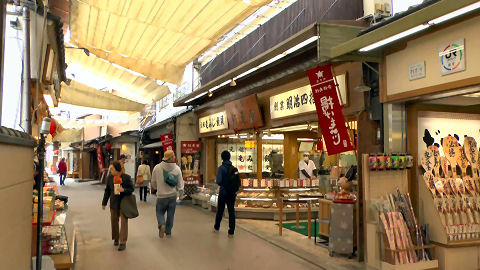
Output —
(143, 191)
(62, 178)
(229, 200)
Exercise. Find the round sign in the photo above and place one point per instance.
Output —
(452, 57)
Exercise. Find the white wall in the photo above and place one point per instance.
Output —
(16, 211)
(426, 48)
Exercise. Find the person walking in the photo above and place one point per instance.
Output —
(118, 186)
(229, 182)
(144, 176)
(62, 170)
(167, 180)
(122, 160)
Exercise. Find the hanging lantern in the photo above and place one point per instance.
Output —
(53, 128)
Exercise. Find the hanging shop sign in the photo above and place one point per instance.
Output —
(213, 122)
(329, 110)
(190, 158)
(244, 113)
(300, 100)
(452, 57)
(416, 71)
(167, 141)
(100, 163)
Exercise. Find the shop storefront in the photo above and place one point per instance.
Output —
(268, 135)
(434, 83)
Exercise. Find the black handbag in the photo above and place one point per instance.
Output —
(128, 206)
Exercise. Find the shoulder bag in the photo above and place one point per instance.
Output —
(128, 206)
(140, 176)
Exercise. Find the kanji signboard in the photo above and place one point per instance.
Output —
(300, 100)
(329, 111)
(213, 122)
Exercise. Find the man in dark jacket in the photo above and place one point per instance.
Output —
(228, 192)
(118, 186)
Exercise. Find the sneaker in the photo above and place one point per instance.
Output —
(230, 235)
(161, 231)
(215, 230)
(169, 236)
(116, 243)
(122, 247)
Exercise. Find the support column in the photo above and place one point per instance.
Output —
(259, 156)
(290, 157)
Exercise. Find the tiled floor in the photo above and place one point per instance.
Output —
(193, 245)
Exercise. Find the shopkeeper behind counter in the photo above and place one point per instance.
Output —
(306, 167)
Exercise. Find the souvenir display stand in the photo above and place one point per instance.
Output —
(450, 201)
(377, 184)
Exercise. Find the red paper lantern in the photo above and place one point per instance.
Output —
(53, 128)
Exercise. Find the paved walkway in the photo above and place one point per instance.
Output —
(193, 244)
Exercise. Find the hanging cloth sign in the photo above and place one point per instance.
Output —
(329, 111)
(100, 163)
(167, 141)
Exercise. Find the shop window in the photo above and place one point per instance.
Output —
(245, 159)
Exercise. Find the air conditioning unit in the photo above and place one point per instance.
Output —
(377, 7)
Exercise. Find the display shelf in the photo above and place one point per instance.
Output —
(45, 223)
(424, 265)
(377, 184)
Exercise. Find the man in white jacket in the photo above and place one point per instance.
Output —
(167, 180)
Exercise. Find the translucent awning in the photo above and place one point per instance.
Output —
(127, 84)
(82, 95)
(155, 38)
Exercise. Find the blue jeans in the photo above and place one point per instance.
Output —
(62, 178)
(166, 205)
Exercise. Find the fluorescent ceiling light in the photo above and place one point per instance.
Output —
(421, 27)
(305, 140)
(273, 137)
(403, 34)
(301, 45)
(455, 13)
(48, 100)
(271, 60)
(197, 96)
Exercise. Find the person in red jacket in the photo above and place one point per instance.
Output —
(62, 170)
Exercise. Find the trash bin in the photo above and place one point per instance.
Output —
(341, 228)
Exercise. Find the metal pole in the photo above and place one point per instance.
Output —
(318, 43)
(41, 161)
(25, 120)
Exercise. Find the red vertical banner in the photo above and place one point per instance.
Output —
(329, 111)
(167, 141)
(100, 163)
(190, 161)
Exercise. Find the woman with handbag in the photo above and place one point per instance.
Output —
(143, 179)
(119, 187)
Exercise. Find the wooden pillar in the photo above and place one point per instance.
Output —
(259, 156)
(309, 222)
(209, 159)
(290, 149)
